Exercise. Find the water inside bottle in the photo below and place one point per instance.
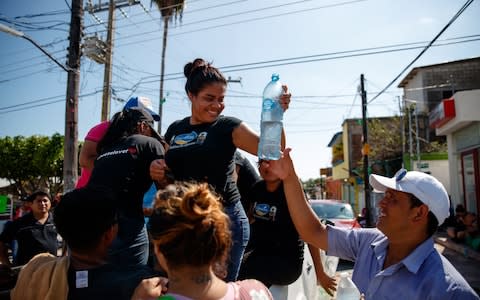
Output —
(269, 147)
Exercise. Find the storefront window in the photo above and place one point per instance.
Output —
(469, 181)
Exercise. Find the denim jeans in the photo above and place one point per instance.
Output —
(130, 247)
(240, 234)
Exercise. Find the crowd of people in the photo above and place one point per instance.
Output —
(216, 230)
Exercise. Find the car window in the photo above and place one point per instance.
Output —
(333, 210)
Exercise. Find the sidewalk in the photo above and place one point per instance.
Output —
(464, 259)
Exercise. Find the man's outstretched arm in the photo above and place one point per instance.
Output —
(306, 222)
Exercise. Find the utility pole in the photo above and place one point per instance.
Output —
(70, 154)
(162, 72)
(365, 150)
(418, 139)
(402, 121)
(410, 139)
(106, 50)
(107, 76)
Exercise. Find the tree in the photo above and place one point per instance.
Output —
(312, 187)
(34, 162)
(385, 140)
(167, 8)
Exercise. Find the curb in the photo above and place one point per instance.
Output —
(460, 248)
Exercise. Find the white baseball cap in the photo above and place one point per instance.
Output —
(423, 186)
(142, 102)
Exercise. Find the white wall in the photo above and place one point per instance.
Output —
(414, 90)
(438, 169)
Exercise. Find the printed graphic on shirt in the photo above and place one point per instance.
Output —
(132, 150)
(188, 139)
(201, 137)
(110, 153)
(264, 211)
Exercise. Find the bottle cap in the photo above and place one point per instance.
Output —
(275, 77)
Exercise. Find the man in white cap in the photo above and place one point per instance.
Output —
(397, 259)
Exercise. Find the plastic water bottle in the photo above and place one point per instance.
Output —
(271, 121)
(347, 290)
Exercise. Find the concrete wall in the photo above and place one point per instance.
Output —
(438, 169)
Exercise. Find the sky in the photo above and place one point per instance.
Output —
(319, 48)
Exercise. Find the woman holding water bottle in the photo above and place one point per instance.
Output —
(201, 147)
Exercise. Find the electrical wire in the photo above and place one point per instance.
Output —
(236, 67)
(31, 104)
(462, 9)
(289, 13)
(68, 5)
(300, 60)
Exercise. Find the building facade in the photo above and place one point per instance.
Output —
(347, 182)
(458, 119)
(424, 89)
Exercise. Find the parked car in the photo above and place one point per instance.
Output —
(334, 211)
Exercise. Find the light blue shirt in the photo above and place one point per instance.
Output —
(424, 274)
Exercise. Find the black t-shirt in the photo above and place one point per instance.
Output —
(32, 237)
(125, 169)
(272, 229)
(106, 282)
(204, 153)
(275, 251)
(247, 176)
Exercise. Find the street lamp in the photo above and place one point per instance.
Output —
(70, 160)
(17, 33)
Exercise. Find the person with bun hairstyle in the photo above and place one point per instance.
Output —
(201, 147)
(191, 238)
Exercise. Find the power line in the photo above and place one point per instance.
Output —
(205, 8)
(298, 60)
(462, 9)
(145, 10)
(351, 106)
(301, 59)
(30, 58)
(31, 104)
(31, 74)
(289, 13)
(68, 5)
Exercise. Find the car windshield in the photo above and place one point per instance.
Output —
(333, 210)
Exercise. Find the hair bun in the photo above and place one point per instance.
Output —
(191, 66)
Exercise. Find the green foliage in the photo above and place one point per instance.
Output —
(385, 138)
(34, 162)
(436, 147)
(311, 186)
